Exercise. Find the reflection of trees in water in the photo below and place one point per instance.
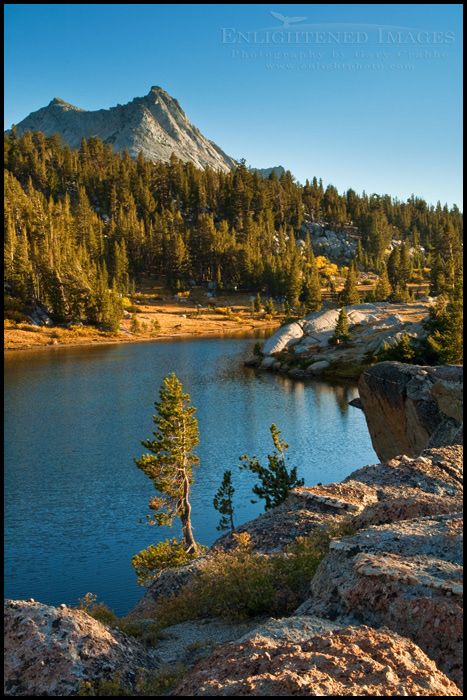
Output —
(342, 393)
(343, 396)
(300, 396)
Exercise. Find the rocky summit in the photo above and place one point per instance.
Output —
(155, 125)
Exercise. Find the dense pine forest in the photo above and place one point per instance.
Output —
(82, 227)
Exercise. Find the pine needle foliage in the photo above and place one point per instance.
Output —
(223, 502)
(275, 479)
(341, 331)
(170, 466)
(349, 295)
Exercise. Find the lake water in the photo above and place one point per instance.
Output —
(74, 421)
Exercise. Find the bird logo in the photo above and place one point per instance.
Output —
(287, 21)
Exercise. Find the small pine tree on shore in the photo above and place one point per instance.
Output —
(171, 463)
(341, 332)
(170, 467)
(223, 502)
(276, 481)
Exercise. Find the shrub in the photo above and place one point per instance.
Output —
(15, 316)
(406, 350)
(147, 683)
(102, 613)
(133, 309)
(29, 328)
(289, 319)
(140, 298)
(147, 633)
(98, 611)
(13, 309)
(112, 687)
(257, 348)
(241, 584)
(150, 562)
(161, 681)
(135, 326)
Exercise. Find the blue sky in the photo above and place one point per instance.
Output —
(363, 96)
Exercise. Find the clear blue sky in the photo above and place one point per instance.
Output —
(298, 93)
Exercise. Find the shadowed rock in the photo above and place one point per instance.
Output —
(409, 408)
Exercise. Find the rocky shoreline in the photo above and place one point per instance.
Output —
(301, 349)
(383, 614)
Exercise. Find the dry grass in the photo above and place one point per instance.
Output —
(155, 304)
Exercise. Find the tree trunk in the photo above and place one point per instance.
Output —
(185, 518)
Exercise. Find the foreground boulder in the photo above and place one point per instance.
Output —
(343, 661)
(406, 576)
(52, 651)
(409, 408)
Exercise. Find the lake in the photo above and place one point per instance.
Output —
(74, 421)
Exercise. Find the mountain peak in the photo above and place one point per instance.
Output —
(155, 125)
(58, 102)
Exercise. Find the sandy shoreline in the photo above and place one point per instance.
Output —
(87, 342)
(173, 319)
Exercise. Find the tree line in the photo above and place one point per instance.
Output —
(82, 225)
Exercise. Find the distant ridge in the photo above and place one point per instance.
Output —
(154, 124)
(265, 172)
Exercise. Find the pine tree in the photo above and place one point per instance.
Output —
(177, 259)
(405, 266)
(447, 339)
(393, 267)
(276, 481)
(171, 462)
(341, 331)
(383, 287)
(350, 296)
(312, 289)
(223, 502)
(294, 278)
(258, 304)
(269, 307)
